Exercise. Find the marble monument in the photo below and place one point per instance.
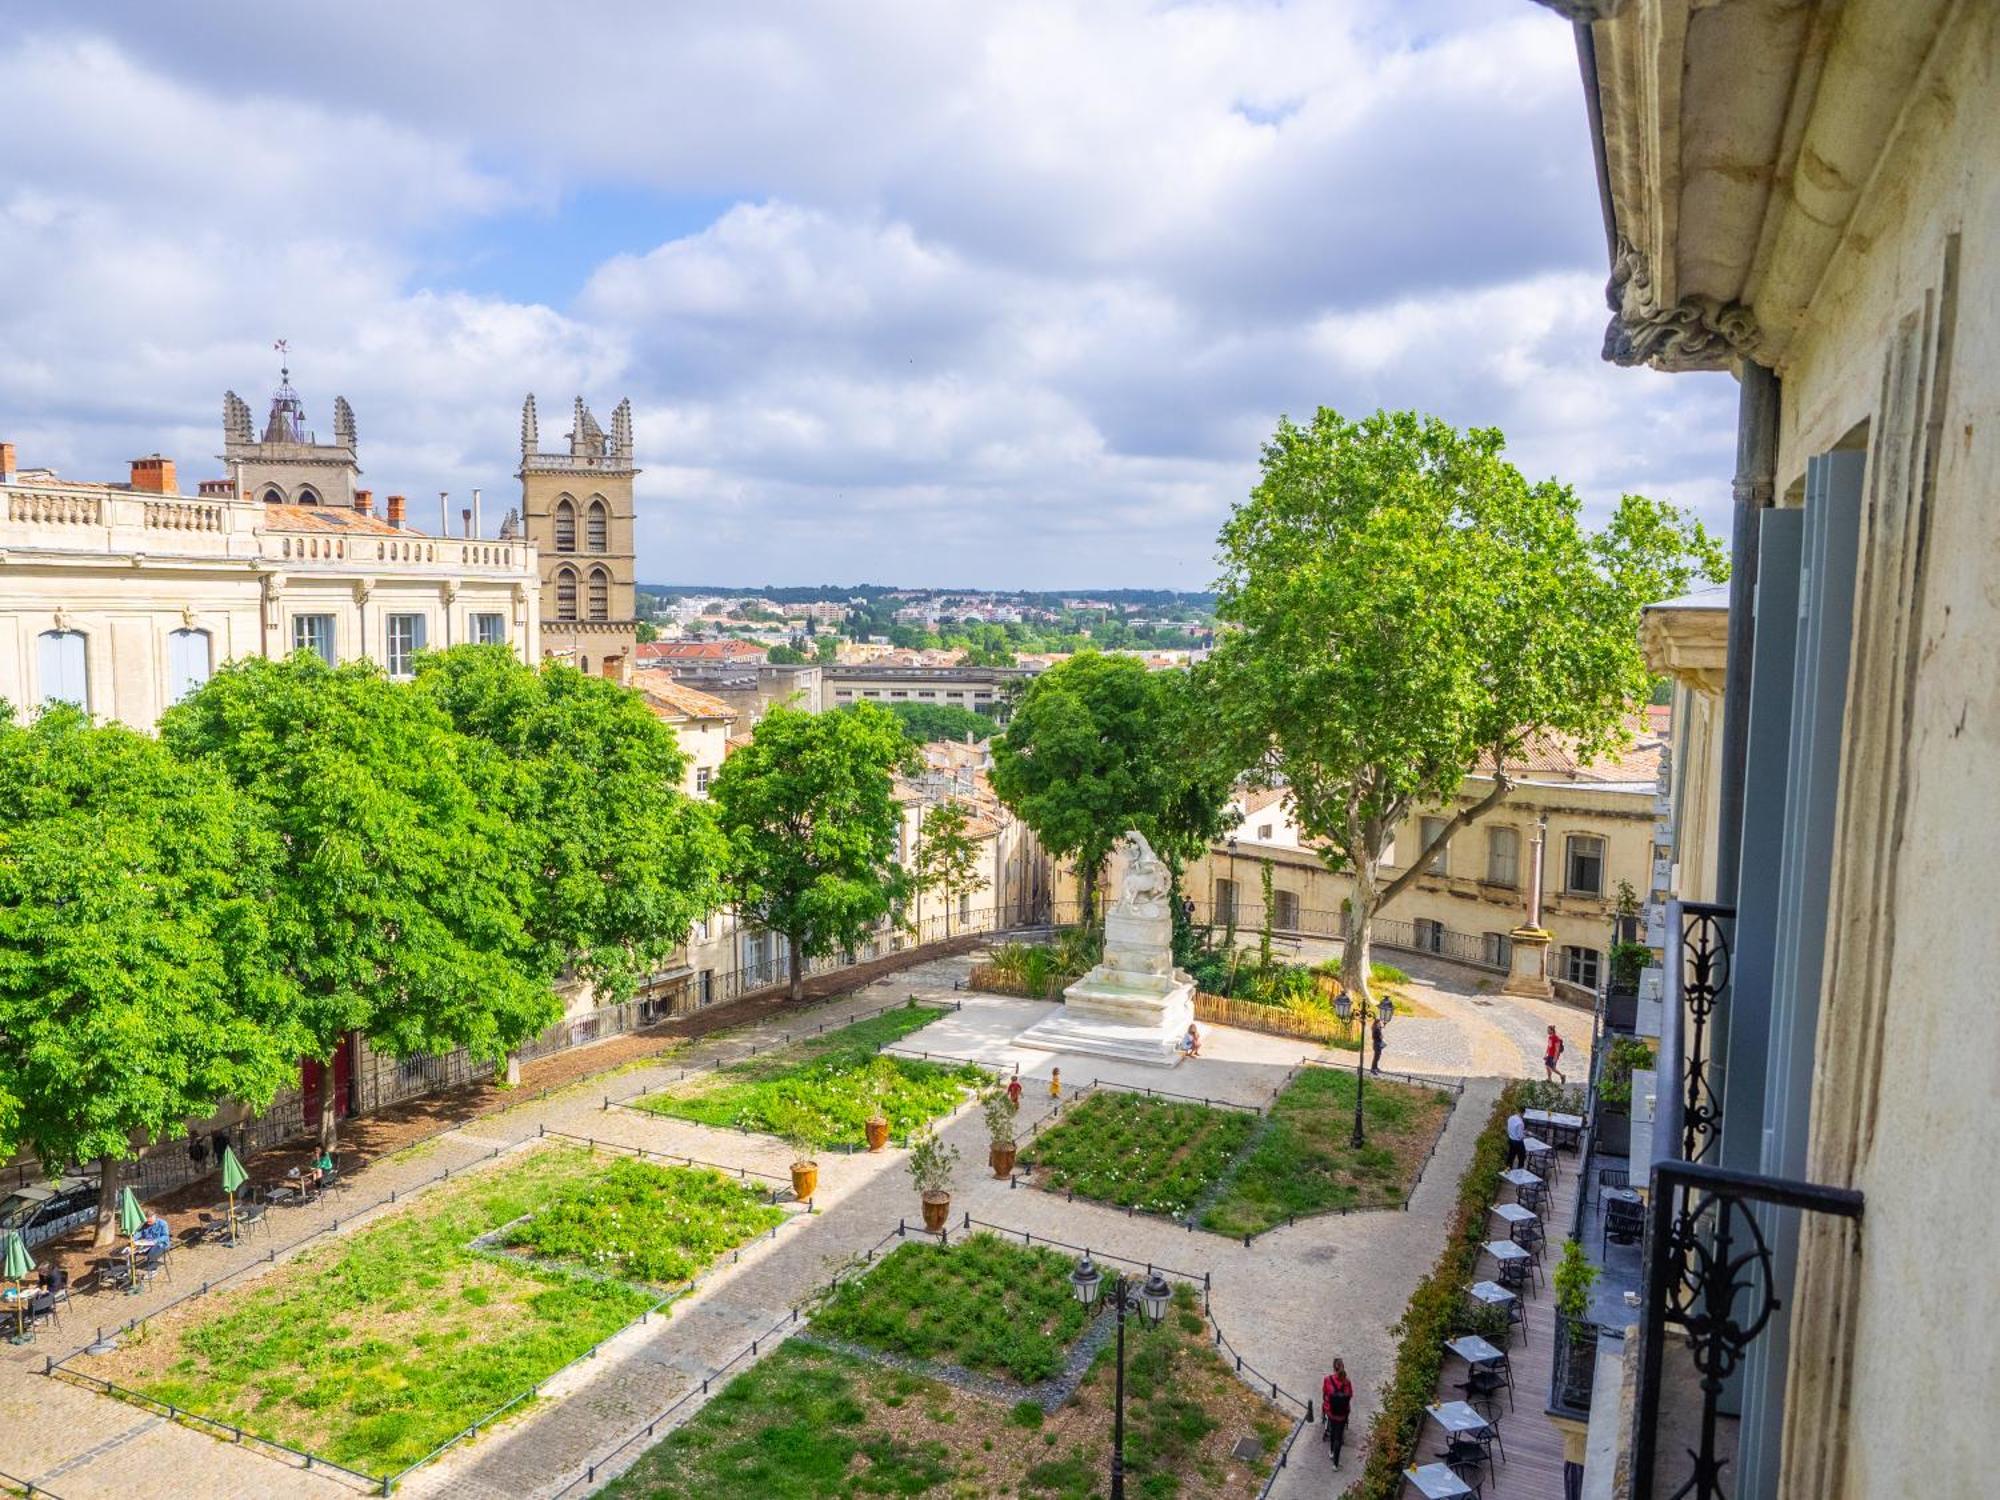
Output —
(1135, 1005)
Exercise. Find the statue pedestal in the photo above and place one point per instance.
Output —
(1113, 1012)
(1528, 976)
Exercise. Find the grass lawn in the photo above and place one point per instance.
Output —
(1304, 1162)
(376, 1348)
(1136, 1152)
(824, 1088)
(809, 1424)
(983, 1303)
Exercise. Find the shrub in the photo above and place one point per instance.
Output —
(1574, 1276)
(1435, 1312)
(931, 1162)
(1614, 1085)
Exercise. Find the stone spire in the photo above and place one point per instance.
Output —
(343, 423)
(236, 426)
(530, 433)
(621, 431)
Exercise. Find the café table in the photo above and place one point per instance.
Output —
(1439, 1482)
(1463, 1425)
(1475, 1350)
(1515, 1263)
(1522, 1181)
(1523, 1224)
(1492, 1294)
(1565, 1129)
(15, 1309)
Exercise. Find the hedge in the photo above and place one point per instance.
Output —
(1437, 1312)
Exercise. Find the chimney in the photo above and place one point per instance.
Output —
(477, 528)
(6, 463)
(444, 512)
(364, 502)
(465, 520)
(395, 517)
(153, 475)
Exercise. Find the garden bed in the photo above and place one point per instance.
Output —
(821, 1090)
(811, 1424)
(1304, 1162)
(380, 1346)
(1132, 1151)
(982, 1303)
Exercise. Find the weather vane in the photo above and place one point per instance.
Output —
(284, 348)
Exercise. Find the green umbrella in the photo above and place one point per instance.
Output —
(17, 1269)
(130, 1219)
(233, 1177)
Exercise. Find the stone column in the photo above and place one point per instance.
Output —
(1529, 973)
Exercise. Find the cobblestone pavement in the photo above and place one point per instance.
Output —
(1298, 1296)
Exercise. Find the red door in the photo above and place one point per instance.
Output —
(312, 1074)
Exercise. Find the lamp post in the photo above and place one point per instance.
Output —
(1385, 1011)
(1149, 1298)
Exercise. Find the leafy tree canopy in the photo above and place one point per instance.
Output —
(926, 722)
(396, 899)
(1098, 745)
(137, 983)
(947, 854)
(1412, 610)
(787, 656)
(809, 812)
(618, 862)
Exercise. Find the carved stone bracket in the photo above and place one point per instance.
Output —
(1696, 333)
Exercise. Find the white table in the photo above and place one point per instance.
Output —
(1458, 1419)
(1520, 1178)
(1511, 1258)
(1436, 1482)
(1565, 1128)
(1491, 1293)
(1474, 1350)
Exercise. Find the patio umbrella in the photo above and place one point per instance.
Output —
(17, 1269)
(233, 1177)
(130, 1219)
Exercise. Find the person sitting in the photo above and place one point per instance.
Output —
(154, 1234)
(1191, 1043)
(55, 1281)
(324, 1170)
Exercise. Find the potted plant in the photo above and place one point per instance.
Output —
(931, 1164)
(999, 1112)
(1574, 1276)
(876, 1126)
(795, 1129)
(1614, 1093)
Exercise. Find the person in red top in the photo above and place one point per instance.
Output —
(1551, 1055)
(1014, 1093)
(1336, 1394)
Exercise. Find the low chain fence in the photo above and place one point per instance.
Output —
(13, 1483)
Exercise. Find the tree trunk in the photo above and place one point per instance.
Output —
(107, 1202)
(1087, 890)
(1354, 949)
(798, 986)
(329, 1119)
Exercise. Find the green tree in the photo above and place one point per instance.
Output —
(618, 861)
(948, 855)
(1411, 611)
(826, 649)
(396, 899)
(137, 989)
(786, 656)
(927, 722)
(809, 811)
(646, 632)
(1098, 745)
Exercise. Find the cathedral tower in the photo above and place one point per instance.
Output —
(577, 509)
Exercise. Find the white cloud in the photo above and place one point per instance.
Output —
(993, 294)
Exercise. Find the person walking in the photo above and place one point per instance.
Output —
(1375, 1036)
(1055, 1083)
(1517, 1140)
(1336, 1394)
(1551, 1055)
(1014, 1093)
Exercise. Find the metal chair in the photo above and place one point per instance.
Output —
(1612, 1177)
(1624, 1224)
(251, 1217)
(42, 1309)
(151, 1266)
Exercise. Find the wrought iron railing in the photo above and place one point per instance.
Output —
(1708, 1276)
(1688, 1121)
(1574, 1370)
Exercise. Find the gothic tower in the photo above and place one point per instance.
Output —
(577, 509)
(287, 466)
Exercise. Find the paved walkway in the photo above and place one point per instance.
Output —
(1333, 1285)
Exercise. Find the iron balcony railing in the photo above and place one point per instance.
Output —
(1709, 1271)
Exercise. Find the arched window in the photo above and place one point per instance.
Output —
(274, 496)
(565, 594)
(64, 672)
(565, 525)
(307, 497)
(189, 662)
(596, 528)
(600, 594)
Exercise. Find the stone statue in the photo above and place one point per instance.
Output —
(1144, 885)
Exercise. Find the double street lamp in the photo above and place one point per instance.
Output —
(1385, 1012)
(1150, 1299)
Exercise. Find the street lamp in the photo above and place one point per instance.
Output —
(1149, 1298)
(1385, 1011)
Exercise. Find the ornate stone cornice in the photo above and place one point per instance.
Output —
(1583, 12)
(1695, 333)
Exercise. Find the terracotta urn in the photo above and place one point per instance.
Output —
(805, 1179)
(937, 1207)
(878, 1132)
(1003, 1158)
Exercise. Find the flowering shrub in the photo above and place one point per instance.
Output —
(1135, 1152)
(641, 1222)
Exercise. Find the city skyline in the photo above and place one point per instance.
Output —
(1005, 299)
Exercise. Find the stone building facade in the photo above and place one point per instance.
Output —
(578, 510)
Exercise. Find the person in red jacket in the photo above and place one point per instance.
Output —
(1336, 1394)
(1552, 1053)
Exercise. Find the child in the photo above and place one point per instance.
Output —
(1014, 1093)
(1055, 1083)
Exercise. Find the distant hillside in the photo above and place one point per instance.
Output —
(1045, 598)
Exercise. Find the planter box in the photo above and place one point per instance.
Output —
(1614, 1129)
(1621, 1008)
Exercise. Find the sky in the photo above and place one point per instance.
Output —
(925, 293)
